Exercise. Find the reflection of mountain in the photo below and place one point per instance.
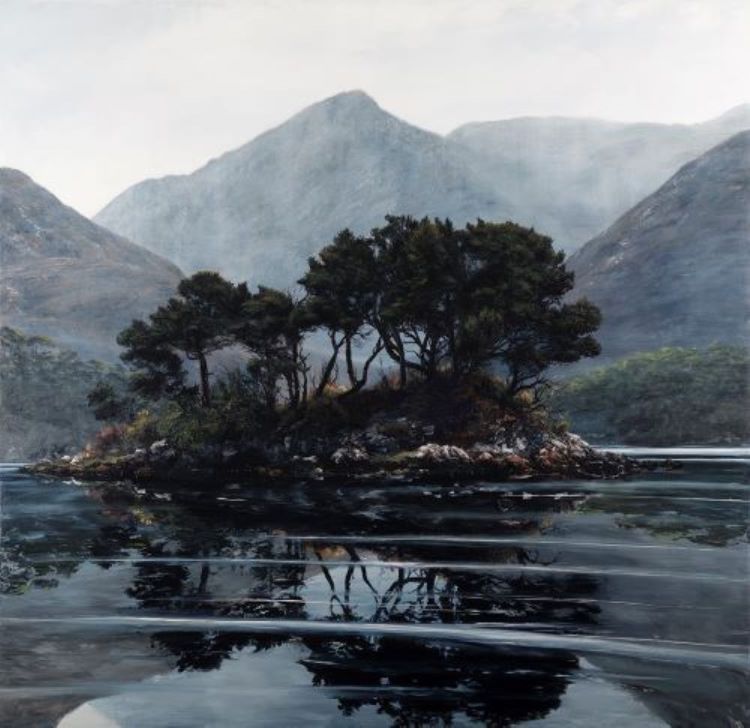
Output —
(65, 277)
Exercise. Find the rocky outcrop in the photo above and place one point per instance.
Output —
(547, 455)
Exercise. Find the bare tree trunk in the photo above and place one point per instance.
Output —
(350, 370)
(359, 383)
(329, 367)
(205, 385)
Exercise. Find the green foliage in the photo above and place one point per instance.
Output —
(110, 403)
(451, 301)
(666, 397)
(236, 415)
(271, 326)
(142, 430)
(43, 393)
(158, 370)
(442, 304)
(193, 324)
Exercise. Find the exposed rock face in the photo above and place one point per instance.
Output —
(675, 270)
(434, 453)
(259, 211)
(63, 276)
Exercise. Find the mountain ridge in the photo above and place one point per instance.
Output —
(64, 276)
(259, 210)
(652, 272)
(341, 162)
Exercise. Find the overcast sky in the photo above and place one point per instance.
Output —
(99, 94)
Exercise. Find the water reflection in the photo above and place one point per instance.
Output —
(581, 561)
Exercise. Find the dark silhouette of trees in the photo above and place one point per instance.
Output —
(431, 300)
(193, 324)
(271, 326)
(447, 301)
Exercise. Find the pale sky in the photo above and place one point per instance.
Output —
(100, 94)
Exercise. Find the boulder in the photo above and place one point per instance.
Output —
(349, 454)
(434, 453)
(158, 446)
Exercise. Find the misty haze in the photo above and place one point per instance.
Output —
(374, 364)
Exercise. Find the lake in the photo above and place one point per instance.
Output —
(575, 603)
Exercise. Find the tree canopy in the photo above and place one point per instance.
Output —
(43, 391)
(422, 297)
(442, 301)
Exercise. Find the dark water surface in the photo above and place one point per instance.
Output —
(538, 604)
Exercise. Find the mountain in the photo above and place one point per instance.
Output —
(570, 178)
(63, 276)
(675, 269)
(258, 212)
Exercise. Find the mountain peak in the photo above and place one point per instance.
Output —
(343, 106)
(355, 98)
(63, 275)
(672, 271)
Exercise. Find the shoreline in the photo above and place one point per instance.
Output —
(567, 458)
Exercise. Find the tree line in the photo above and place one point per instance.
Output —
(424, 298)
(670, 396)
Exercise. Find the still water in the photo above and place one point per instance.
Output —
(576, 603)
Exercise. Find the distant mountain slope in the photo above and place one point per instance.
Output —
(63, 276)
(258, 212)
(675, 270)
(571, 178)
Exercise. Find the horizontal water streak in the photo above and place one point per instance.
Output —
(597, 486)
(510, 597)
(435, 565)
(501, 638)
(626, 496)
(493, 541)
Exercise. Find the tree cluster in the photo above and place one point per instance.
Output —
(421, 297)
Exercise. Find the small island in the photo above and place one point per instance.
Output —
(417, 352)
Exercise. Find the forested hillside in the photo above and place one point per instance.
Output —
(667, 397)
(43, 396)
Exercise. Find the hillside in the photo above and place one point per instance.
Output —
(672, 396)
(259, 211)
(43, 391)
(674, 270)
(573, 177)
(62, 275)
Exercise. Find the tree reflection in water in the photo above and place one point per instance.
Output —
(411, 681)
(256, 556)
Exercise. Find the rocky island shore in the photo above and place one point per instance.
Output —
(391, 447)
